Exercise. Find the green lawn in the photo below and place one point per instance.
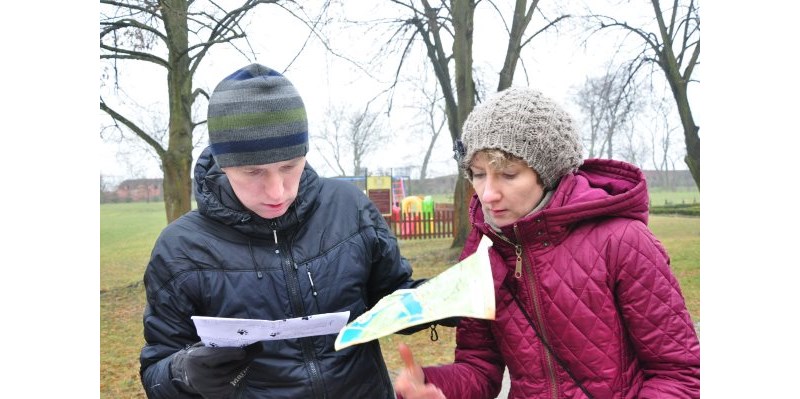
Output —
(128, 231)
(127, 234)
(659, 197)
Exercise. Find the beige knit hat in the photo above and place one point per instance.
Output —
(525, 123)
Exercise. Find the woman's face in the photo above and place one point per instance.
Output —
(507, 192)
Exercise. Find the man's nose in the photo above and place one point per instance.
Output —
(273, 188)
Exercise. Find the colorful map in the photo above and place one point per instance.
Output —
(463, 290)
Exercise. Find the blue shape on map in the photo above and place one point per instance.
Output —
(351, 334)
(413, 312)
(412, 306)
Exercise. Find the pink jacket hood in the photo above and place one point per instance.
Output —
(600, 187)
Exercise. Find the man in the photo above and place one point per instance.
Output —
(270, 240)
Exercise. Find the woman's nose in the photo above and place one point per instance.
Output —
(491, 191)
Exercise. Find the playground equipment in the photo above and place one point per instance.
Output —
(415, 215)
(378, 190)
(398, 190)
(427, 213)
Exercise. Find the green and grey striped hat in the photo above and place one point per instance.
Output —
(256, 117)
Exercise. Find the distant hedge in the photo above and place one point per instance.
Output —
(676, 209)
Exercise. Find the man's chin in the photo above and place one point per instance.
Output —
(272, 213)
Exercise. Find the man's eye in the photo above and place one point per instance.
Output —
(509, 175)
(478, 175)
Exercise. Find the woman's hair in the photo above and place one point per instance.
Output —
(497, 159)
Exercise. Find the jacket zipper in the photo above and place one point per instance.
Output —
(532, 283)
(290, 270)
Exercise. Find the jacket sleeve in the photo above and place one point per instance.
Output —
(167, 329)
(655, 315)
(477, 371)
(390, 271)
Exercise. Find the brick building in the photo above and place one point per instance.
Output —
(140, 190)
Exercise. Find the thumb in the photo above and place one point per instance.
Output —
(407, 356)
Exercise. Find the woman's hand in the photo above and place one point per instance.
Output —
(410, 383)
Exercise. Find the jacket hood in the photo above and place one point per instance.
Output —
(600, 188)
(216, 199)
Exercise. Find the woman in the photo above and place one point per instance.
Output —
(587, 306)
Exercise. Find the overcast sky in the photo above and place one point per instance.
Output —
(555, 63)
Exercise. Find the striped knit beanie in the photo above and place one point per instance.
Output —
(526, 124)
(255, 117)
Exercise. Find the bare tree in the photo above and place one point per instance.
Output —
(331, 142)
(366, 132)
(609, 104)
(662, 136)
(675, 47)
(349, 136)
(633, 149)
(430, 119)
(446, 31)
(174, 35)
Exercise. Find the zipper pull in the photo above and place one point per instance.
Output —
(275, 235)
(310, 280)
(518, 270)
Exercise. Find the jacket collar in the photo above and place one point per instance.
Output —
(600, 188)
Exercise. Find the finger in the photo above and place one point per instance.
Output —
(407, 356)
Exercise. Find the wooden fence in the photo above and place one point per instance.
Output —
(417, 226)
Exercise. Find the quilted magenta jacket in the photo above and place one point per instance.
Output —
(598, 287)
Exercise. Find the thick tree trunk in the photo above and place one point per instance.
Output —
(461, 225)
(177, 161)
(678, 83)
(177, 184)
(690, 130)
(463, 14)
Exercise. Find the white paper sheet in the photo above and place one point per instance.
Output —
(221, 331)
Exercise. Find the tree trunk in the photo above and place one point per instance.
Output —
(177, 194)
(463, 14)
(461, 224)
(690, 130)
(678, 83)
(177, 160)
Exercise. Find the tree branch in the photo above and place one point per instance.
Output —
(122, 54)
(117, 117)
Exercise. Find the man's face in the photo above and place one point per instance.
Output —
(267, 190)
(507, 193)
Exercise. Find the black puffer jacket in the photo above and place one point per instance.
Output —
(224, 261)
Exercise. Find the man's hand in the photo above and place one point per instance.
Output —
(212, 372)
(410, 383)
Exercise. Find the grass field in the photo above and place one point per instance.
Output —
(658, 197)
(128, 231)
(669, 197)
